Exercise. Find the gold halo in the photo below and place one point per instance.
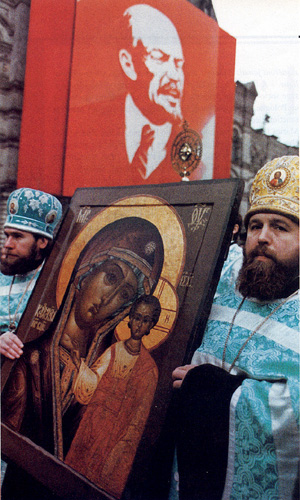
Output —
(169, 311)
(151, 208)
(285, 180)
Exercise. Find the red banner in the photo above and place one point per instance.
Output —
(138, 72)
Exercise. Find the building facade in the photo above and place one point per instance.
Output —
(251, 148)
(14, 22)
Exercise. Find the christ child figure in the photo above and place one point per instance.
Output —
(118, 390)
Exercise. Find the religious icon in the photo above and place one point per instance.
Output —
(278, 178)
(118, 389)
(121, 261)
(13, 207)
(114, 312)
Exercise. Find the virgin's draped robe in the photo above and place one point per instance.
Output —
(106, 441)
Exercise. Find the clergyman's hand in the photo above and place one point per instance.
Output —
(179, 373)
(10, 345)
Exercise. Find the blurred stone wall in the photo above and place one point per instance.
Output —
(251, 148)
(14, 22)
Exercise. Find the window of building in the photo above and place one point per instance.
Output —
(236, 147)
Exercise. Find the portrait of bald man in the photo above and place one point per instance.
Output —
(153, 65)
(124, 119)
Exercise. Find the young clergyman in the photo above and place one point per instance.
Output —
(32, 217)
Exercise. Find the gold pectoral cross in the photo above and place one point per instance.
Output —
(12, 327)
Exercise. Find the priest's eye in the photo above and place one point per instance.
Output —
(281, 228)
(253, 227)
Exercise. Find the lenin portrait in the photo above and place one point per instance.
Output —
(139, 71)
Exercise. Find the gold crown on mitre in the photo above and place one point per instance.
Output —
(276, 188)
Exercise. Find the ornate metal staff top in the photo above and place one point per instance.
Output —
(186, 152)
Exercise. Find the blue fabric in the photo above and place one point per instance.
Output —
(264, 413)
(19, 285)
(32, 210)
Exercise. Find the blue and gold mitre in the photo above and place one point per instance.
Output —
(33, 211)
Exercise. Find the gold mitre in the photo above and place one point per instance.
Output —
(276, 188)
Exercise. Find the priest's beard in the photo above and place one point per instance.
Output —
(21, 265)
(268, 280)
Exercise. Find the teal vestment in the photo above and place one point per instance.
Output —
(13, 304)
(263, 453)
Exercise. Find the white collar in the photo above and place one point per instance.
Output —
(134, 123)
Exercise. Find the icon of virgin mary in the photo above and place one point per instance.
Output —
(120, 263)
